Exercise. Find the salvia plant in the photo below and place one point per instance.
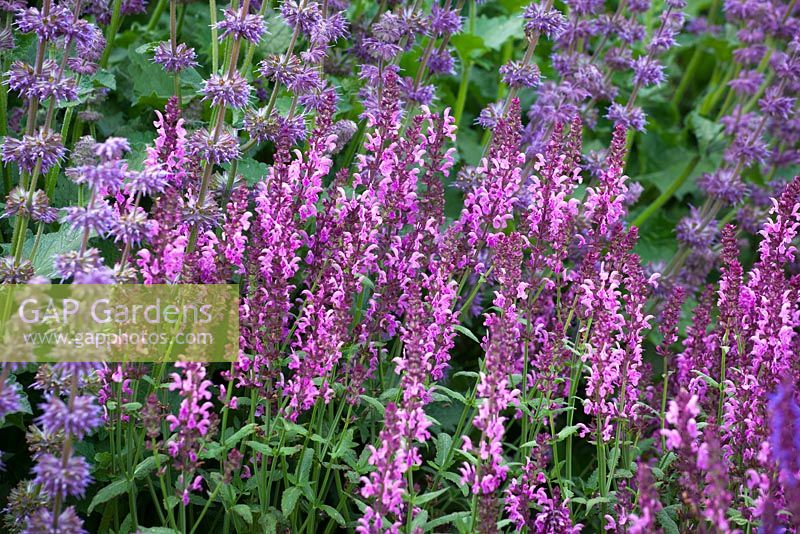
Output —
(502, 266)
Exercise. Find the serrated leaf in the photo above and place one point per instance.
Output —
(289, 500)
(305, 465)
(116, 488)
(243, 432)
(333, 513)
(375, 403)
(443, 445)
(243, 511)
(667, 523)
(444, 520)
(64, 240)
(147, 465)
(567, 431)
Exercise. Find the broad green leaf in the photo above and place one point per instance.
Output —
(495, 31)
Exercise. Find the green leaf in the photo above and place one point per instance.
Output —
(333, 513)
(705, 130)
(289, 500)
(596, 500)
(243, 511)
(495, 31)
(253, 171)
(246, 430)
(566, 432)
(157, 530)
(147, 465)
(444, 520)
(305, 465)
(707, 379)
(116, 488)
(419, 520)
(427, 497)
(263, 448)
(443, 445)
(64, 240)
(667, 523)
(375, 403)
(467, 332)
(468, 46)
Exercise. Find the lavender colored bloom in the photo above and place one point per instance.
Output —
(259, 126)
(22, 78)
(723, 184)
(78, 418)
(382, 50)
(630, 119)
(441, 62)
(62, 479)
(775, 105)
(540, 19)
(444, 21)
(291, 130)
(101, 276)
(42, 521)
(489, 115)
(148, 182)
(232, 91)
(20, 202)
(422, 94)
(112, 148)
(303, 15)
(183, 58)
(306, 80)
(239, 25)
(280, 68)
(26, 152)
(131, 227)
(695, 231)
(223, 149)
(56, 23)
(747, 83)
(518, 75)
(68, 264)
(10, 401)
(98, 218)
(618, 58)
(647, 72)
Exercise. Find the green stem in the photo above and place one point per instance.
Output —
(111, 33)
(156, 16)
(668, 192)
